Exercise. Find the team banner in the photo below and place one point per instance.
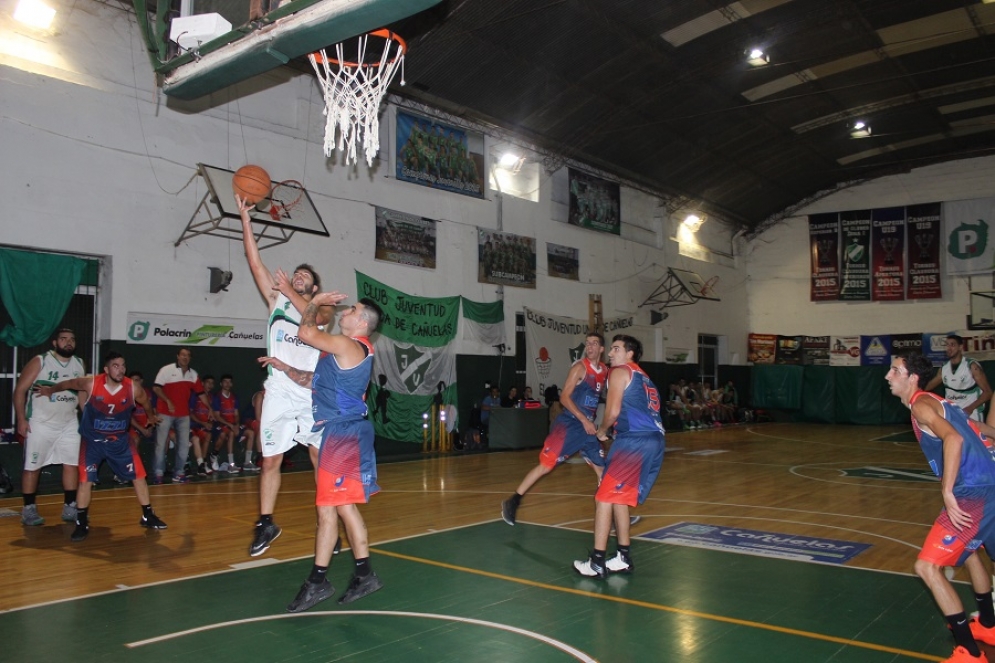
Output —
(966, 226)
(428, 321)
(888, 254)
(875, 350)
(855, 231)
(978, 344)
(405, 238)
(761, 348)
(789, 350)
(923, 227)
(815, 351)
(506, 259)
(594, 203)
(563, 262)
(414, 364)
(483, 322)
(824, 242)
(439, 155)
(844, 351)
(165, 329)
(552, 344)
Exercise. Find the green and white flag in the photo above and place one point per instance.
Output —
(414, 365)
(483, 323)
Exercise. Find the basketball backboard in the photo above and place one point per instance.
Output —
(272, 223)
(982, 315)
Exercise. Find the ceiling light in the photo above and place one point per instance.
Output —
(757, 58)
(860, 129)
(693, 222)
(34, 13)
(508, 159)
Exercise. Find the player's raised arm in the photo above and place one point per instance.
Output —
(262, 276)
(282, 283)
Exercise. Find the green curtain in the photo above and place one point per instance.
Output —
(36, 289)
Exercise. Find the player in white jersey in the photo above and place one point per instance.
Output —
(964, 380)
(286, 416)
(49, 425)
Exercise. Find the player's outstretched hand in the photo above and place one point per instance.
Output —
(274, 362)
(281, 283)
(243, 204)
(330, 298)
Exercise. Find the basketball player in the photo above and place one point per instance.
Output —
(960, 456)
(964, 379)
(574, 429)
(347, 466)
(48, 424)
(633, 463)
(104, 429)
(286, 415)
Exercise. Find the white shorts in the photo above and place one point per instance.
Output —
(287, 420)
(51, 443)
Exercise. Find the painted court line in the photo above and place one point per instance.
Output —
(562, 646)
(666, 608)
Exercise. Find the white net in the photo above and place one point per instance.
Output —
(353, 91)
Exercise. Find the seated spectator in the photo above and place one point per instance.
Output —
(511, 400)
(202, 427)
(228, 427)
(490, 402)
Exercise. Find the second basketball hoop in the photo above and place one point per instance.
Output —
(354, 83)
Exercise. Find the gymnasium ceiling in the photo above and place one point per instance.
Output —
(659, 92)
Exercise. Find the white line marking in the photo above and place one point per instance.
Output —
(562, 646)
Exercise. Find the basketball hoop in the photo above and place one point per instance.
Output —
(353, 90)
(286, 196)
(708, 290)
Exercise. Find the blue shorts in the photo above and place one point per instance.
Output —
(633, 464)
(121, 456)
(347, 464)
(567, 437)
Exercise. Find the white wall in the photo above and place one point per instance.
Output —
(96, 160)
(779, 264)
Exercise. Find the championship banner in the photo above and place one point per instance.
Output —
(414, 363)
(966, 224)
(552, 344)
(923, 228)
(506, 259)
(563, 262)
(824, 243)
(165, 329)
(405, 238)
(888, 256)
(815, 351)
(594, 203)
(875, 350)
(901, 343)
(844, 351)
(761, 348)
(439, 155)
(789, 350)
(855, 231)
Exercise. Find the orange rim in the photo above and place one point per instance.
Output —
(383, 33)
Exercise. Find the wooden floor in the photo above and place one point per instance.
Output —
(857, 484)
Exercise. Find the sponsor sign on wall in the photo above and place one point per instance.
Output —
(875, 350)
(844, 351)
(165, 329)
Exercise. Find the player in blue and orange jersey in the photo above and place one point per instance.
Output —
(633, 410)
(963, 459)
(347, 470)
(227, 416)
(202, 428)
(573, 430)
(140, 429)
(104, 432)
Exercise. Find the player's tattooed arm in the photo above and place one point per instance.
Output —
(299, 376)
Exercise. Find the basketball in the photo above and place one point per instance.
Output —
(251, 183)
